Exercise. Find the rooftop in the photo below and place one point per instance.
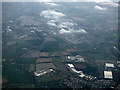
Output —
(109, 65)
(118, 62)
(71, 65)
(108, 75)
(82, 75)
(39, 73)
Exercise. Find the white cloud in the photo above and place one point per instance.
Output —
(99, 8)
(56, 19)
(51, 23)
(63, 31)
(43, 0)
(97, 1)
(81, 31)
(60, 0)
(51, 4)
(111, 4)
(65, 24)
(52, 14)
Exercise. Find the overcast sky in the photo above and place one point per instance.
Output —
(60, 0)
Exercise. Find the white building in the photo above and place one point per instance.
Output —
(71, 65)
(118, 62)
(71, 57)
(74, 70)
(39, 73)
(109, 65)
(82, 75)
(42, 72)
(108, 75)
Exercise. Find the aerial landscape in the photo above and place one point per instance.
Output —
(60, 45)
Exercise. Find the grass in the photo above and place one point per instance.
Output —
(26, 60)
(15, 51)
(44, 78)
(31, 68)
(25, 67)
(14, 75)
(51, 47)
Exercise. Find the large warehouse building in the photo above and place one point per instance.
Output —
(108, 75)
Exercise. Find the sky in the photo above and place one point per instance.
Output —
(60, 1)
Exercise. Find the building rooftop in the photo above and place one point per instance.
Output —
(71, 65)
(118, 62)
(39, 73)
(82, 75)
(74, 70)
(108, 75)
(42, 72)
(109, 65)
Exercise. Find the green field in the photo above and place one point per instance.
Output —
(14, 75)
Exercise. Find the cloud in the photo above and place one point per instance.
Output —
(63, 31)
(97, 1)
(44, 0)
(51, 23)
(99, 8)
(111, 4)
(81, 31)
(60, 0)
(51, 4)
(56, 19)
(52, 14)
(65, 24)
